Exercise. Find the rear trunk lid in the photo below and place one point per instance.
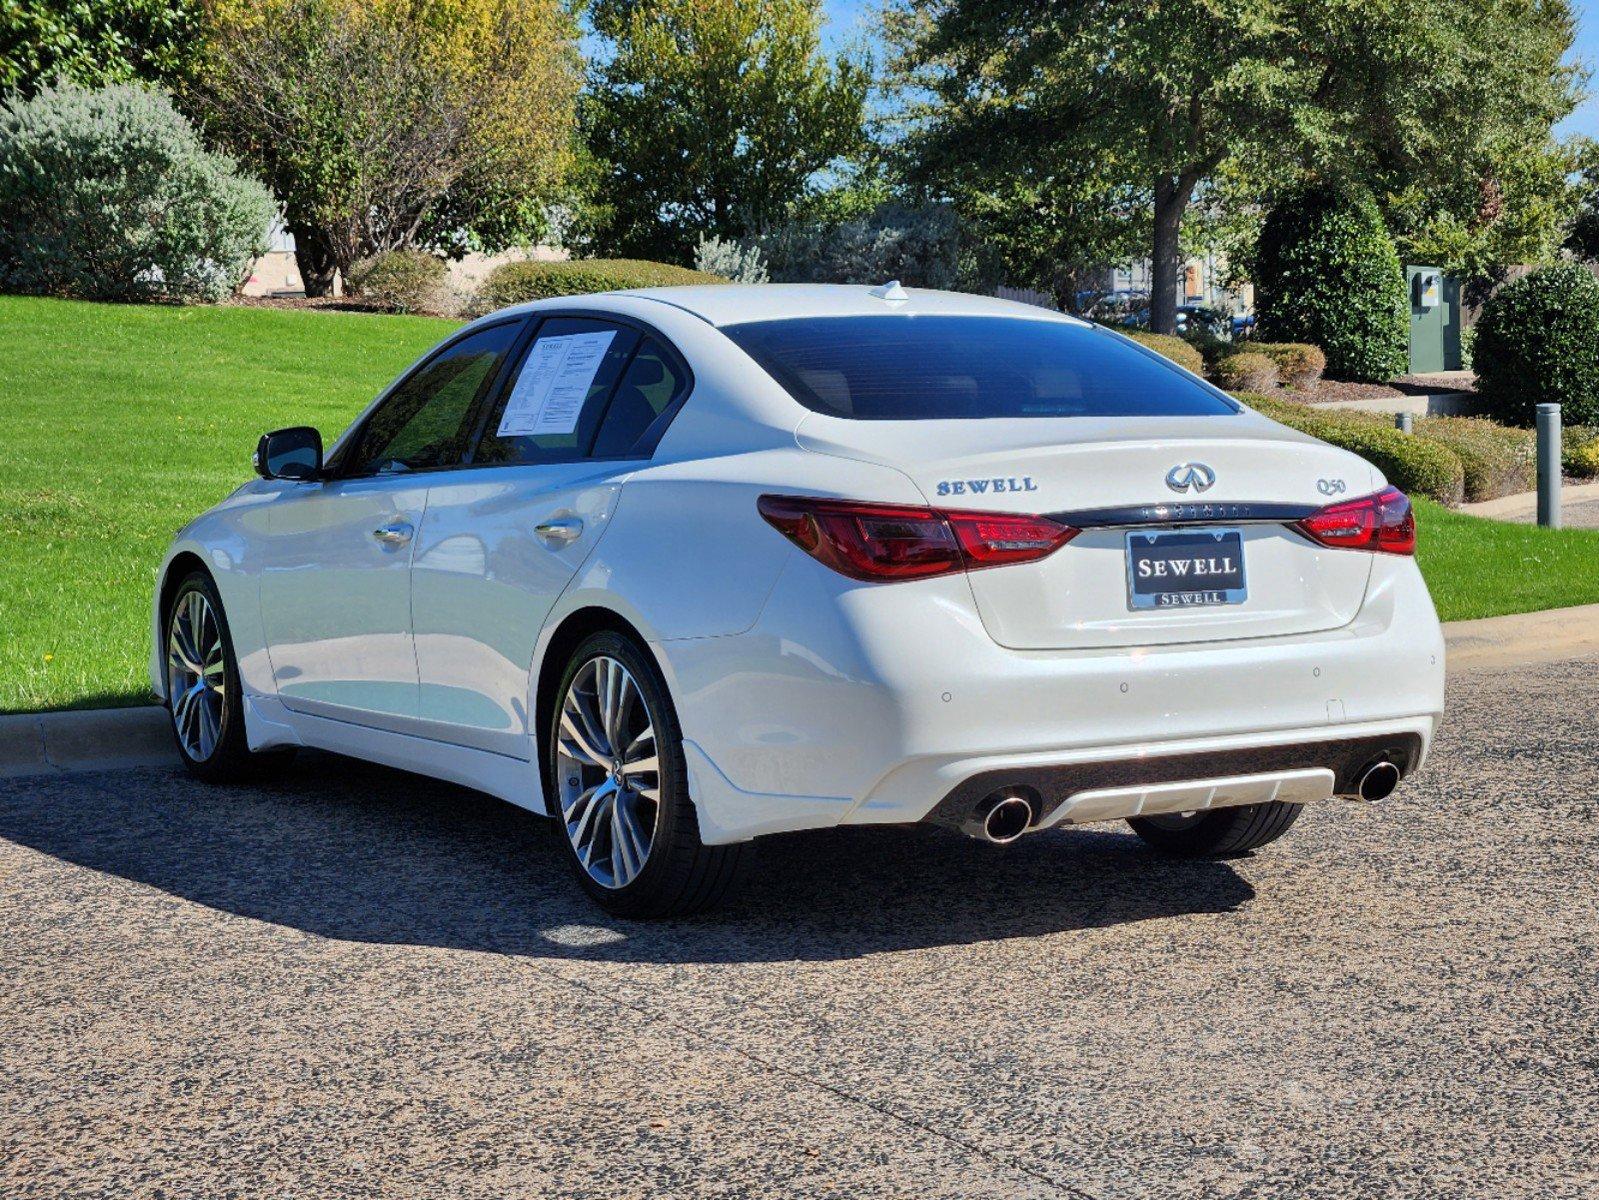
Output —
(1109, 476)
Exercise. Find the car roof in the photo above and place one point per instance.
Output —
(734, 304)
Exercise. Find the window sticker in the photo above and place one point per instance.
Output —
(554, 381)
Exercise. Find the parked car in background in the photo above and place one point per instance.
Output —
(1212, 321)
(682, 567)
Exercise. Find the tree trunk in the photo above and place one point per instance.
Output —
(313, 254)
(1172, 194)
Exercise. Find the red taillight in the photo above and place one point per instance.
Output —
(895, 541)
(1382, 522)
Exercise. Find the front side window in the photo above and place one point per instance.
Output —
(424, 422)
(553, 406)
(903, 367)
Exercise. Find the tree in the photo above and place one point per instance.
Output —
(1326, 273)
(1129, 109)
(1582, 234)
(95, 42)
(713, 117)
(391, 124)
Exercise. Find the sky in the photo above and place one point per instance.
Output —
(1586, 119)
(851, 19)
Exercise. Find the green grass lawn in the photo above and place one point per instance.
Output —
(1480, 568)
(123, 422)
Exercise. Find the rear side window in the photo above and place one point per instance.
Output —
(552, 407)
(899, 367)
(652, 381)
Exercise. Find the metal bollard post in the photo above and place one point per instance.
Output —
(1405, 422)
(1549, 465)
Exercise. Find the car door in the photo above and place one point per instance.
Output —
(335, 576)
(503, 536)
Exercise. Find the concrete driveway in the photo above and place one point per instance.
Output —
(358, 983)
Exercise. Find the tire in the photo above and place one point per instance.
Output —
(1224, 833)
(603, 808)
(208, 727)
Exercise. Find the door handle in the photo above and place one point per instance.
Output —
(395, 533)
(560, 529)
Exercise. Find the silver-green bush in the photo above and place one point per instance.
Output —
(920, 247)
(108, 194)
(734, 261)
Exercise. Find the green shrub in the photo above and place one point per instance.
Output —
(1538, 342)
(108, 195)
(1245, 371)
(1299, 364)
(1169, 346)
(1326, 273)
(1412, 464)
(1579, 451)
(515, 282)
(405, 281)
(1498, 460)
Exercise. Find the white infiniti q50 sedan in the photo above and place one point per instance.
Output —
(687, 566)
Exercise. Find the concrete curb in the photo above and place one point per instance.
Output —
(1430, 404)
(1549, 636)
(92, 739)
(107, 738)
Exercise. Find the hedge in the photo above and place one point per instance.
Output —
(1245, 372)
(1299, 364)
(1498, 460)
(1538, 342)
(516, 282)
(1326, 272)
(1579, 446)
(1169, 346)
(1415, 465)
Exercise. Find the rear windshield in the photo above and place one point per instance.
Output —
(926, 368)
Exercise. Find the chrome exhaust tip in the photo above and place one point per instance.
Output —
(1378, 781)
(1001, 818)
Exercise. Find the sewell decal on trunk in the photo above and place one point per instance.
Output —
(979, 487)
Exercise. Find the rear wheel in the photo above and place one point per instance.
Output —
(1223, 833)
(203, 694)
(621, 788)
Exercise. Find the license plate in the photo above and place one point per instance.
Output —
(1185, 568)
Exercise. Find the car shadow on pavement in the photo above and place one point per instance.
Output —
(347, 850)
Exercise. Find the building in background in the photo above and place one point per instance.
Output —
(276, 274)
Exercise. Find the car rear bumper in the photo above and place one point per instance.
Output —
(859, 704)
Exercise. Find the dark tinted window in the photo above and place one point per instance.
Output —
(649, 385)
(910, 368)
(550, 410)
(424, 422)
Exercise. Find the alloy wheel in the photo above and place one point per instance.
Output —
(196, 678)
(608, 772)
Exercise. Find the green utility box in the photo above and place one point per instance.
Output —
(1434, 320)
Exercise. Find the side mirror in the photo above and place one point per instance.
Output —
(294, 453)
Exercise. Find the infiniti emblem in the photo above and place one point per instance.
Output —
(1190, 477)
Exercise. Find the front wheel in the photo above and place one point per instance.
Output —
(1223, 833)
(621, 788)
(203, 694)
